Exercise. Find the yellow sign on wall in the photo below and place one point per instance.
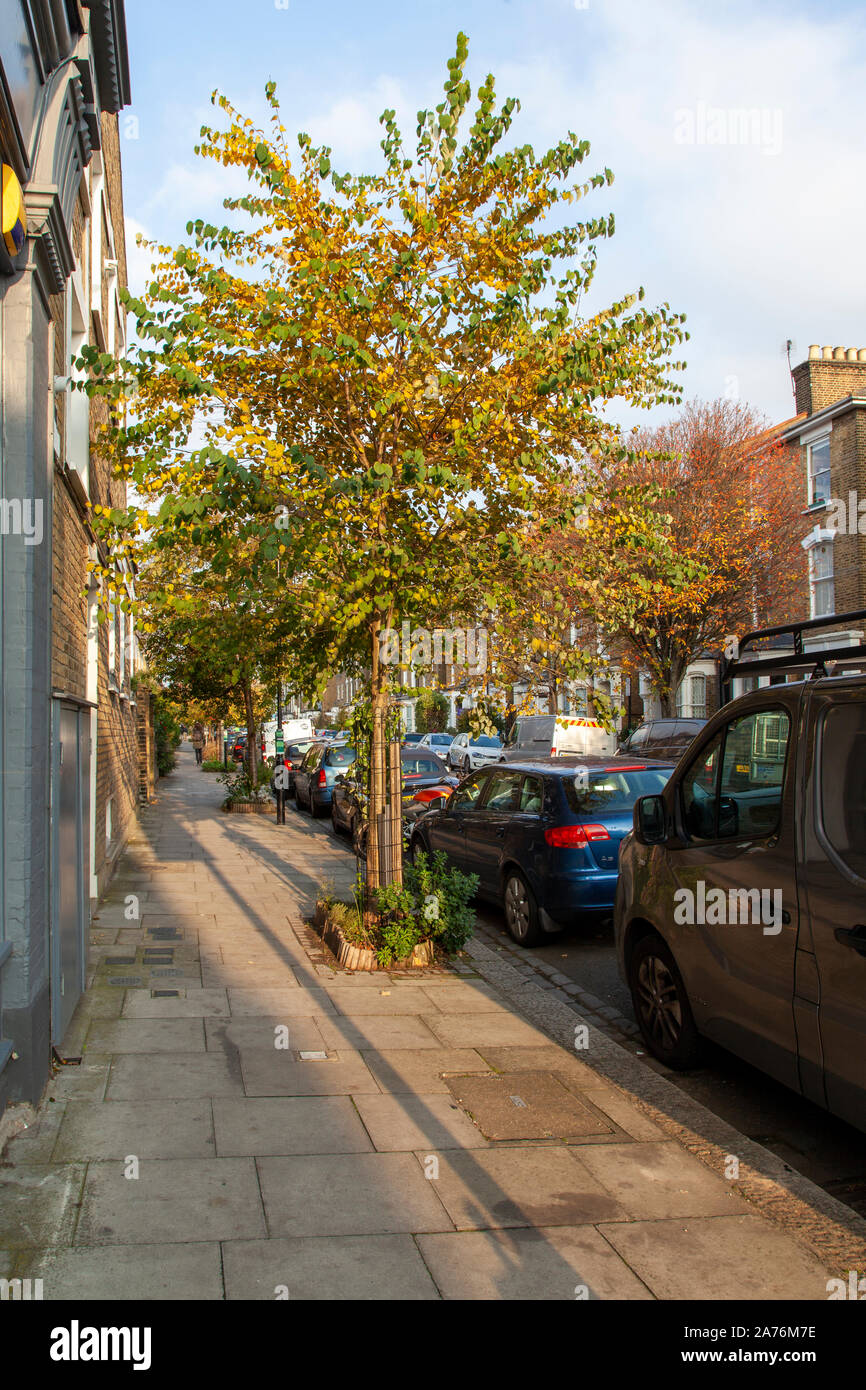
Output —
(13, 216)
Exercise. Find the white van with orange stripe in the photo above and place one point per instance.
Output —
(557, 736)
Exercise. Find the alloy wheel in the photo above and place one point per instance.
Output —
(659, 1003)
(518, 909)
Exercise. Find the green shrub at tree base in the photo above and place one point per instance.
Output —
(433, 905)
(239, 785)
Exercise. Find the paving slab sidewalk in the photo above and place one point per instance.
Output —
(248, 1123)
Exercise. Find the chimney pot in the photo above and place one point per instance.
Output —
(839, 354)
(861, 355)
(814, 352)
(827, 353)
(851, 355)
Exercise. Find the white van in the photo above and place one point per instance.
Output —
(294, 731)
(561, 735)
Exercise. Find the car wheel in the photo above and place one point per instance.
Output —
(337, 828)
(316, 811)
(415, 847)
(359, 837)
(521, 910)
(661, 1005)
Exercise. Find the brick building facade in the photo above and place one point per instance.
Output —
(69, 723)
(830, 436)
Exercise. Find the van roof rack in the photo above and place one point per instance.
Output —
(810, 662)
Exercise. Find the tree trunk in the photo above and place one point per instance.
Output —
(378, 754)
(252, 750)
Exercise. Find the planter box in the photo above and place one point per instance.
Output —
(251, 808)
(361, 957)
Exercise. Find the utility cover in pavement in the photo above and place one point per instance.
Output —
(525, 1105)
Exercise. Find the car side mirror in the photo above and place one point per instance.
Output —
(649, 820)
(729, 816)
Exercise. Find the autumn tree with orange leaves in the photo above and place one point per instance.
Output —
(730, 503)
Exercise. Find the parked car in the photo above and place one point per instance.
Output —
(662, 738)
(551, 736)
(440, 743)
(468, 752)
(293, 756)
(318, 770)
(543, 837)
(424, 775)
(741, 907)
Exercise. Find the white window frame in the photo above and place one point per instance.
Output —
(820, 538)
(811, 444)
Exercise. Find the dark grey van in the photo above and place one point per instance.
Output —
(740, 912)
(662, 738)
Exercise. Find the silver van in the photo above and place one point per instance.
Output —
(740, 912)
(557, 735)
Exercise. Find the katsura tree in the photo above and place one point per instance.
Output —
(729, 513)
(387, 374)
(213, 639)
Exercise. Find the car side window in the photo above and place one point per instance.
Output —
(698, 792)
(753, 768)
(843, 783)
(503, 792)
(639, 737)
(532, 796)
(468, 794)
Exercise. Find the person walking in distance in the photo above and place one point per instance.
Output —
(198, 739)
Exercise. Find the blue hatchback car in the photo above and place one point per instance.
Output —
(543, 837)
(314, 779)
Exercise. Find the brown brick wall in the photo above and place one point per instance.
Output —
(69, 624)
(848, 474)
(114, 184)
(117, 767)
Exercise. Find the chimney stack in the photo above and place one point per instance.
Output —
(828, 375)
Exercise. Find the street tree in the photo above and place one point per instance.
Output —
(390, 372)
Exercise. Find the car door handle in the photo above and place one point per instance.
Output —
(855, 937)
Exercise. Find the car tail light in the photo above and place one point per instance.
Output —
(323, 781)
(574, 836)
(631, 767)
(431, 793)
(553, 752)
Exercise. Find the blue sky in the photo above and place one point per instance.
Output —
(751, 224)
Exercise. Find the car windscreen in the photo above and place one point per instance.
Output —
(422, 767)
(343, 756)
(609, 792)
(485, 741)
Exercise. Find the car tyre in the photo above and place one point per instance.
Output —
(521, 909)
(337, 828)
(661, 1004)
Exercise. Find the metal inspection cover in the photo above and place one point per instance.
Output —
(525, 1105)
(126, 981)
(119, 960)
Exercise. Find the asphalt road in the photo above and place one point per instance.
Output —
(823, 1148)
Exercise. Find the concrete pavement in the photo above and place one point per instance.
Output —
(247, 1123)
